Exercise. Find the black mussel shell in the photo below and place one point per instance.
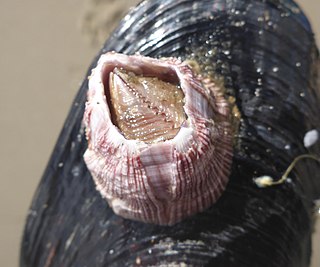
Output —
(266, 53)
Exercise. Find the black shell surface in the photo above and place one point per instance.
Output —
(265, 52)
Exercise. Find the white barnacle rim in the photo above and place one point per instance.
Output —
(161, 180)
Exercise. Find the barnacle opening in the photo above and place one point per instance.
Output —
(144, 106)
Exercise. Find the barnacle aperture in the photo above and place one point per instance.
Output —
(145, 108)
(159, 137)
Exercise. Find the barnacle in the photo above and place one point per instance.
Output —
(159, 138)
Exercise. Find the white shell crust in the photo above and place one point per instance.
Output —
(165, 182)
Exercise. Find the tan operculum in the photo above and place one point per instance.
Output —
(145, 108)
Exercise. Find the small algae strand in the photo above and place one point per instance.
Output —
(266, 181)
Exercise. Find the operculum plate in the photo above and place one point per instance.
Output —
(145, 108)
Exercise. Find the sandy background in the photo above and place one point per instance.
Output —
(45, 49)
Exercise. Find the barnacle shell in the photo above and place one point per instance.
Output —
(164, 181)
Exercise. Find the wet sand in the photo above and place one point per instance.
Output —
(46, 48)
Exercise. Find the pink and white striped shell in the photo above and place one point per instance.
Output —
(159, 182)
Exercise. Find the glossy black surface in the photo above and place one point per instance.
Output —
(266, 53)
